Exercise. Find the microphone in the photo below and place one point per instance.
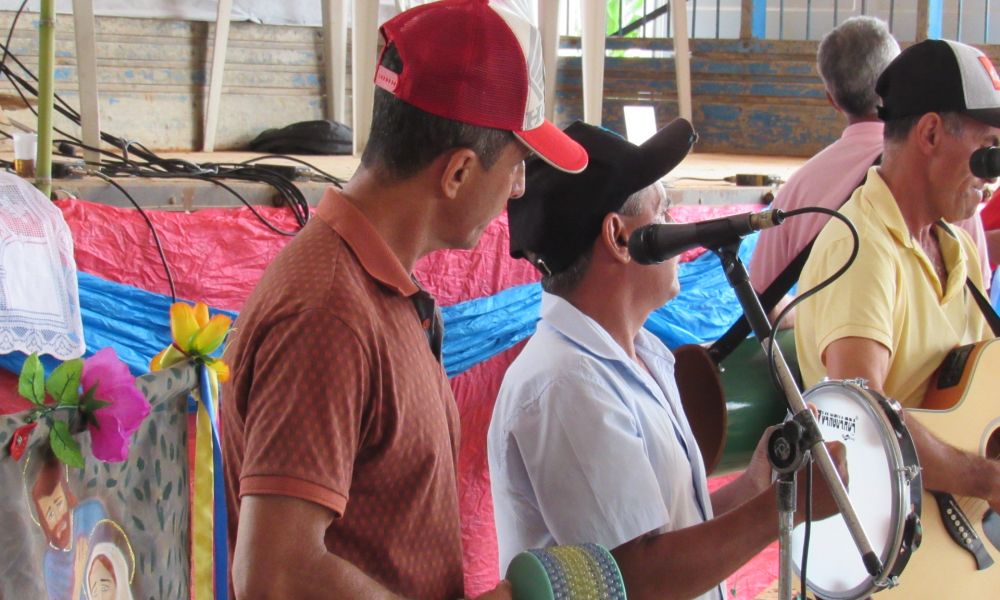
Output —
(655, 243)
(985, 162)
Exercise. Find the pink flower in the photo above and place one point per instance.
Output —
(117, 422)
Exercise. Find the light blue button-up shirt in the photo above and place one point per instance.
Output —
(586, 446)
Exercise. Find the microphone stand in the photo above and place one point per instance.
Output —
(787, 447)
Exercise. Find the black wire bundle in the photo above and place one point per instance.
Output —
(133, 159)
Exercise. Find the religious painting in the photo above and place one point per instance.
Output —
(108, 530)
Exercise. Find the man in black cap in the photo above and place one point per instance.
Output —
(907, 301)
(589, 441)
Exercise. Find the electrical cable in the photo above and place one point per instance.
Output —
(10, 34)
(807, 533)
(331, 178)
(156, 237)
(253, 210)
(772, 366)
(135, 159)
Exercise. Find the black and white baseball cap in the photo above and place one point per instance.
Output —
(560, 214)
(940, 76)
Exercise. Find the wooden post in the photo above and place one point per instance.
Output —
(548, 23)
(930, 14)
(753, 19)
(86, 69)
(215, 77)
(682, 57)
(364, 42)
(595, 16)
(335, 59)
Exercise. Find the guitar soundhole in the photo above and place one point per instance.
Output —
(991, 520)
(993, 445)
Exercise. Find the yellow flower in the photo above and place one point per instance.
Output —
(195, 336)
(211, 335)
(183, 324)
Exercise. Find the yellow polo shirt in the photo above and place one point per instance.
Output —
(891, 294)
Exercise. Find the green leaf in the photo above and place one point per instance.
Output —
(95, 404)
(64, 382)
(31, 384)
(63, 444)
(89, 404)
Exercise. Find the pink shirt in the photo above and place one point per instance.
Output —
(828, 179)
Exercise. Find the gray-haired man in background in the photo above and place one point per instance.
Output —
(850, 60)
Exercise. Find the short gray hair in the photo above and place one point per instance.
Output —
(898, 130)
(564, 282)
(850, 60)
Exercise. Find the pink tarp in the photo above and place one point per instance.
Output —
(217, 256)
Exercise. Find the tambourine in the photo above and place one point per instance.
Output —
(586, 572)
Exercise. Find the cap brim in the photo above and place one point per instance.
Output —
(665, 150)
(555, 147)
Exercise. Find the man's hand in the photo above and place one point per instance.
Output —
(823, 504)
(759, 471)
(503, 591)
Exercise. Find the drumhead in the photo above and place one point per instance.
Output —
(879, 492)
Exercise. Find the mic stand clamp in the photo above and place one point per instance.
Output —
(788, 452)
(806, 430)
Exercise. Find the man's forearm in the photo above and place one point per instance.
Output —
(314, 577)
(280, 553)
(689, 562)
(737, 492)
(948, 469)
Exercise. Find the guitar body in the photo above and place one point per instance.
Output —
(962, 409)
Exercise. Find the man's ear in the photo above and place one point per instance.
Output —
(829, 99)
(615, 238)
(457, 171)
(930, 132)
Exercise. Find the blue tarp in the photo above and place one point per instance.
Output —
(137, 323)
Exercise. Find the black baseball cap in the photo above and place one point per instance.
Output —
(560, 214)
(940, 76)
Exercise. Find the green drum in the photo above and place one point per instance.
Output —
(729, 407)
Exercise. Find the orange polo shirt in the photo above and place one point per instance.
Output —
(338, 397)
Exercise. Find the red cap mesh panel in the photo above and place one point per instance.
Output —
(461, 61)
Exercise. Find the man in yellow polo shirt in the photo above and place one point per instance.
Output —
(903, 305)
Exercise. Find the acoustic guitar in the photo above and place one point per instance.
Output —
(959, 556)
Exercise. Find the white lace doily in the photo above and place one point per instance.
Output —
(39, 298)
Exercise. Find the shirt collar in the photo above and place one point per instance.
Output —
(357, 231)
(863, 128)
(955, 260)
(588, 333)
(878, 195)
(880, 198)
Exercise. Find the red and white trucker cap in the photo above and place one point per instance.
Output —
(479, 64)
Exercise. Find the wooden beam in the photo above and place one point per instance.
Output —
(364, 36)
(682, 57)
(595, 16)
(215, 77)
(86, 72)
(335, 59)
(753, 19)
(548, 24)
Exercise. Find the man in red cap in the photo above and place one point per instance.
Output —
(340, 429)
